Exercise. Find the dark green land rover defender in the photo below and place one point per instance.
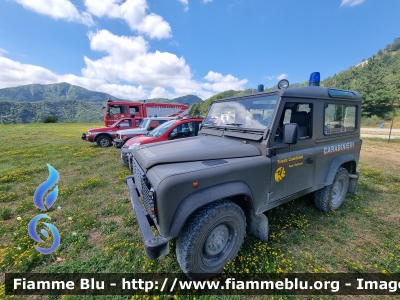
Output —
(253, 153)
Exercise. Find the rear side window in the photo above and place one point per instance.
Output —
(339, 118)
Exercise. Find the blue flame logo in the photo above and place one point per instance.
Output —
(49, 201)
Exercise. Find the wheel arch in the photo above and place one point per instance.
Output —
(103, 133)
(346, 161)
(236, 191)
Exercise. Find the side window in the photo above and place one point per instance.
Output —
(125, 123)
(339, 118)
(115, 110)
(154, 124)
(191, 129)
(138, 122)
(133, 110)
(288, 114)
(175, 132)
(299, 113)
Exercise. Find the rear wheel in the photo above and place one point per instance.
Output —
(332, 196)
(211, 237)
(103, 141)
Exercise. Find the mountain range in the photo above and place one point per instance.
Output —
(69, 103)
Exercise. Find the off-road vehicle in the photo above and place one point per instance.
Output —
(253, 153)
(147, 125)
(104, 136)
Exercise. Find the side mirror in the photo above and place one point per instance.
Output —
(118, 126)
(290, 134)
(173, 135)
(149, 128)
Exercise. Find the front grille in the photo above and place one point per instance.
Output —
(144, 186)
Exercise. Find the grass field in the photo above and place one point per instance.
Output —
(99, 232)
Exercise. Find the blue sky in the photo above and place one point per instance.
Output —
(138, 49)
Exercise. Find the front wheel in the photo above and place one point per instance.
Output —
(332, 196)
(103, 141)
(212, 236)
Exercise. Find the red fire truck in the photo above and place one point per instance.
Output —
(115, 110)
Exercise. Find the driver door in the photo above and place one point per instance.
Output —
(293, 167)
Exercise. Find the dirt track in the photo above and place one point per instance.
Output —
(380, 133)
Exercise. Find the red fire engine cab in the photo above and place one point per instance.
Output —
(115, 110)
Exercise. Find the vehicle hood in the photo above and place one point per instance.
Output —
(132, 131)
(142, 139)
(192, 149)
(102, 129)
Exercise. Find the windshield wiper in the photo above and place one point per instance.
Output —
(235, 124)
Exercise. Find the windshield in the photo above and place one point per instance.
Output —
(162, 128)
(144, 123)
(114, 124)
(253, 113)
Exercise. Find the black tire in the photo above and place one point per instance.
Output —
(332, 196)
(104, 141)
(221, 225)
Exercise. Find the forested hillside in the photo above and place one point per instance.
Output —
(377, 79)
(68, 103)
(65, 111)
(52, 92)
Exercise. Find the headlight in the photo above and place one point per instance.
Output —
(88, 133)
(133, 146)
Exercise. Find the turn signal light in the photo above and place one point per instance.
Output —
(195, 184)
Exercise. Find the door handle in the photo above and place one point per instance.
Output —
(309, 161)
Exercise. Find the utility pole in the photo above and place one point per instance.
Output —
(391, 126)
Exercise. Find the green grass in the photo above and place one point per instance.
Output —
(99, 232)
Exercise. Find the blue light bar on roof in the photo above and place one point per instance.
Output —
(314, 79)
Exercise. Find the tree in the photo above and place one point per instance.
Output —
(50, 119)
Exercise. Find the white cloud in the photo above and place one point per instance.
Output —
(134, 12)
(3, 51)
(222, 83)
(185, 4)
(14, 73)
(351, 2)
(206, 1)
(58, 9)
(128, 60)
(282, 76)
(128, 70)
(160, 92)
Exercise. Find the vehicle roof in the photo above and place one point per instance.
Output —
(315, 92)
(189, 119)
(160, 118)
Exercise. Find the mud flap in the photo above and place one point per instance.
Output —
(353, 179)
(259, 226)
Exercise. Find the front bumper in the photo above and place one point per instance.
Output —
(118, 143)
(125, 156)
(155, 246)
(86, 138)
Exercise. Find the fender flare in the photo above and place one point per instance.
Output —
(335, 164)
(202, 197)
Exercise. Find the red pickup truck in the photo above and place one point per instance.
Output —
(173, 129)
(104, 136)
